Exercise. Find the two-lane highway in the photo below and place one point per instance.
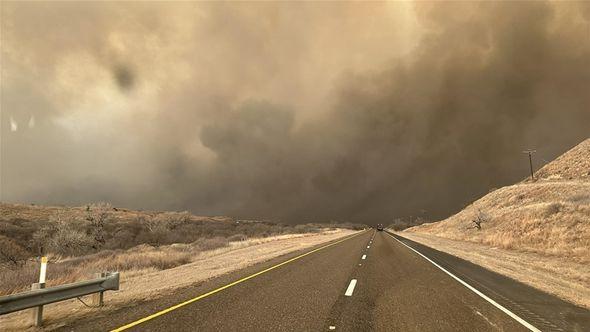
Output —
(368, 282)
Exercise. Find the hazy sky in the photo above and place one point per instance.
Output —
(295, 111)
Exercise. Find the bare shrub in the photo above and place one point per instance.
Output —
(98, 215)
(349, 225)
(161, 226)
(210, 244)
(18, 279)
(182, 247)
(61, 237)
(40, 238)
(157, 230)
(174, 219)
(154, 224)
(11, 252)
(70, 242)
(122, 238)
(142, 259)
(19, 230)
(165, 221)
(400, 224)
(582, 199)
(479, 218)
(306, 228)
(237, 237)
(552, 209)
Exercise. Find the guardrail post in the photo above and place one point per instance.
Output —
(98, 298)
(37, 312)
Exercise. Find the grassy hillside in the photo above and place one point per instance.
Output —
(550, 215)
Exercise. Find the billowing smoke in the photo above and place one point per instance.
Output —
(292, 111)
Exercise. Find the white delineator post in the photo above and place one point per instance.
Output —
(37, 316)
(43, 272)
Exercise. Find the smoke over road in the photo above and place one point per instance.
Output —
(295, 111)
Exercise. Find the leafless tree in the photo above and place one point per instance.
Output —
(11, 252)
(98, 215)
(479, 218)
(62, 237)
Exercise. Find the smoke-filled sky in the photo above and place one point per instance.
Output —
(292, 111)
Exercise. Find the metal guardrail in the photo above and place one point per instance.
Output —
(36, 298)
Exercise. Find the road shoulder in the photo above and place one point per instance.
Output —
(565, 279)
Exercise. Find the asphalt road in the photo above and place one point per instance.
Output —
(370, 282)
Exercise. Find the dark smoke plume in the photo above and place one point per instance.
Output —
(299, 112)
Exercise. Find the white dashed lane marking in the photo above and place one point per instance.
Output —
(350, 288)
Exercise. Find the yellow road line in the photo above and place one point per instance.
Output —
(174, 307)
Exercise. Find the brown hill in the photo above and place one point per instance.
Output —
(572, 165)
(550, 216)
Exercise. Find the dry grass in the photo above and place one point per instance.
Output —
(550, 218)
(575, 164)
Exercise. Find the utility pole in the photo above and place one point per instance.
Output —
(530, 153)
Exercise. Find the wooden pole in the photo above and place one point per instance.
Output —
(530, 153)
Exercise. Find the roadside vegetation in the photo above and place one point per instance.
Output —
(99, 237)
(399, 224)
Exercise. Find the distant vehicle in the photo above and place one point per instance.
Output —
(380, 227)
